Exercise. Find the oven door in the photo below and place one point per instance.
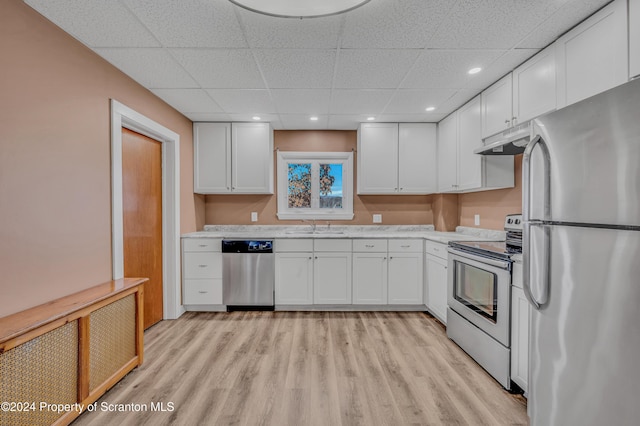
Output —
(479, 289)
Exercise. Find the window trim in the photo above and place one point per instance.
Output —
(287, 213)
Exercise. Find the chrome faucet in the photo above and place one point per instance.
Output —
(313, 224)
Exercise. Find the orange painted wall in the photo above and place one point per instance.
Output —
(236, 209)
(55, 183)
(492, 206)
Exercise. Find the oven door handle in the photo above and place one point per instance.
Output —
(493, 262)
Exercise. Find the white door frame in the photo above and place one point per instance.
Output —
(123, 116)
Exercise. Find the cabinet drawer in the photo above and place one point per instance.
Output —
(332, 245)
(293, 245)
(516, 275)
(202, 265)
(202, 244)
(410, 246)
(370, 246)
(202, 292)
(436, 249)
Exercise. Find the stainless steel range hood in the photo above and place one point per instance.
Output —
(512, 141)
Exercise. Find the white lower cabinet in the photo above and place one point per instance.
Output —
(332, 278)
(370, 278)
(294, 278)
(436, 280)
(405, 278)
(201, 272)
(520, 317)
(634, 38)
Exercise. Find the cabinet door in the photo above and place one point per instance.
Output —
(469, 138)
(437, 287)
(332, 279)
(417, 159)
(211, 158)
(593, 56)
(634, 38)
(534, 86)
(252, 158)
(519, 338)
(294, 278)
(378, 158)
(369, 278)
(448, 154)
(405, 279)
(496, 107)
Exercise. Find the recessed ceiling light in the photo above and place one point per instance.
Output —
(429, 109)
(371, 118)
(314, 118)
(475, 70)
(255, 117)
(299, 8)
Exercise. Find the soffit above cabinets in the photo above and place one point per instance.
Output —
(389, 59)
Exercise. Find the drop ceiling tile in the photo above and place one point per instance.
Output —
(221, 68)
(188, 100)
(447, 68)
(500, 67)
(394, 24)
(269, 32)
(96, 23)
(416, 101)
(361, 101)
(190, 23)
(296, 68)
(373, 68)
(243, 100)
(202, 116)
(491, 24)
(142, 64)
(408, 118)
(570, 14)
(302, 122)
(454, 102)
(296, 101)
(346, 121)
(248, 117)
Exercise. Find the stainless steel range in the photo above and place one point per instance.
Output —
(479, 298)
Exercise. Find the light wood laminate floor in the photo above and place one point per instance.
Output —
(307, 368)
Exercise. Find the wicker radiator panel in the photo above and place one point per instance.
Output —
(112, 341)
(44, 369)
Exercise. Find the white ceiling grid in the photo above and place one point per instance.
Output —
(389, 59)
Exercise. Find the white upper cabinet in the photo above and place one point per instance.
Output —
(397, 158)
(459, 168)
(233, 158)
(534, 86)
(448, 153)
(496, 107)
(211, 158)
(417, 161)
(593, 57)
(634, 38)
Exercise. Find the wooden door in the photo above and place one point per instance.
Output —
(142, 206)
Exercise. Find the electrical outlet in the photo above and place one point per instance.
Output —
(377, 218)
(476, 220)
(254, 216)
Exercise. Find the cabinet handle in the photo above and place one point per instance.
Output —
(384, 258)
(407, 246)
(203, 245)
(401, 189)
(316, 257)
(391, 258)
(369, 245)
(203, 292)
(514, 120)
(203, 266)
(436, 249)
(310, 257)
(507, 122)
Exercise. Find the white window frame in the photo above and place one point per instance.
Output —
(287, 213)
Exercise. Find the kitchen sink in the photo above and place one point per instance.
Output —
(316, 232)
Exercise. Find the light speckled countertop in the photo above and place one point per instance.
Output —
(347, 231)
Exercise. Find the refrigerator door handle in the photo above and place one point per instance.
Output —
(544, 266)
(538, 141)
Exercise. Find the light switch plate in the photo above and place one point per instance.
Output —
(377, 218)
(476, 220)
(254, 216)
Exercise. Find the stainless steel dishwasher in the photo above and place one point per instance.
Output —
(248, 274)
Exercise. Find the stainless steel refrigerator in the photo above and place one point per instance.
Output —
(581, 208)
